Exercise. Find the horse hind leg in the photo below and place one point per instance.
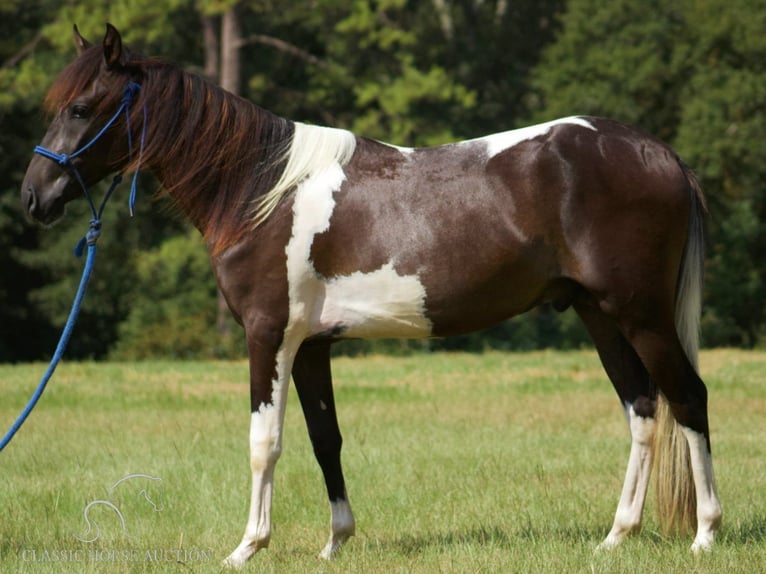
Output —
(684, 465)
(313, 381)
(631, 381)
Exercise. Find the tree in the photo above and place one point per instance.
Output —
(723, 119)
(174, 313)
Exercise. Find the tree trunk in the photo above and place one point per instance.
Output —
(210, 38)
(231, 42)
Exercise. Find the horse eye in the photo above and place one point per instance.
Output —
(79, 112)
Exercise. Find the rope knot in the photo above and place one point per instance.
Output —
(94, 232)
(131, 91)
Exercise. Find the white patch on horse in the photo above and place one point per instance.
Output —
(313, 149)
(405, 151)
(497, 143)
(381, 303)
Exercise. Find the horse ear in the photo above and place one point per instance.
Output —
(114, 55)
(81, 43)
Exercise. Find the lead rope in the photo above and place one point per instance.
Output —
(92, 236)
(90, 239)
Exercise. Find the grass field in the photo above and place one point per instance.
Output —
(455, 463)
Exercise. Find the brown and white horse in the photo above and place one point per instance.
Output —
(316, 234)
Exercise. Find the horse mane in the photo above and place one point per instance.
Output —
(225, 162)
(213, 151)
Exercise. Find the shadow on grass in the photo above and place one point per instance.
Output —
(496, 536)
(752, 531)
(483, 536)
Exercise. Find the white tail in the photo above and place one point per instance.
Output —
(676, 498)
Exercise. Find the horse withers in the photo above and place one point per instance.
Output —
(316, 234)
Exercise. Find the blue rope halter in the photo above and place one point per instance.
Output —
(94, 232)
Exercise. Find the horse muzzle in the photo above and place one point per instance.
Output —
(43, 208)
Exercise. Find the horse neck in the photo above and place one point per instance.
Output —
(215, 153)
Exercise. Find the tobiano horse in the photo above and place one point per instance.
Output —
(316, 235)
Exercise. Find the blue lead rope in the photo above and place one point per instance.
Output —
(61, 347)
(90, 239)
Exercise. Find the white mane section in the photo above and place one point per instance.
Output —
(313, 150)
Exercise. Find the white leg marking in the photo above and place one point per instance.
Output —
(265, 448)
(627, 519)
(708, 506)
(342, 527)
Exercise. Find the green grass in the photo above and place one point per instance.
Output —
(454, 463)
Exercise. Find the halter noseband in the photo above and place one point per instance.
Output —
(65, 161)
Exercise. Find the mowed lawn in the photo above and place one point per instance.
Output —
(494, 463)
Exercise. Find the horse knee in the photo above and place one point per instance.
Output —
(265, 438)
(264, 456)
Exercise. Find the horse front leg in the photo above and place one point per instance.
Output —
(271, 358)
(313, 381)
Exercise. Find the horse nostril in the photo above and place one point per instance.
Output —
(30, 199)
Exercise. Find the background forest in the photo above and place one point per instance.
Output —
(692, 72)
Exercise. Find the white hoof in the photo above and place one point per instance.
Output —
(612, 541)
(702, 545)
(233, 562)
(334, 545)
(242, 554)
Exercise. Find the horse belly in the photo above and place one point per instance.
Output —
(375, 304)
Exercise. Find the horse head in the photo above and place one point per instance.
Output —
(82, 145)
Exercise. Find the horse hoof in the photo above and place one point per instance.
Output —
(610, 543)
(236, 560)
(702, 547)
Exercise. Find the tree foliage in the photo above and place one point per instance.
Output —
(412, 73)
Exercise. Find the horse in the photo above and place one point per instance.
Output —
(316, 235)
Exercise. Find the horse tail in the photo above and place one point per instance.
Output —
(675, 494)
